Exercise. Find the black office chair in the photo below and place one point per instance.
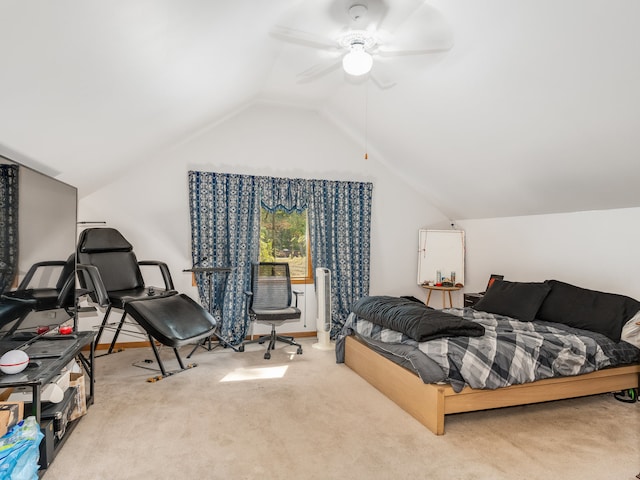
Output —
(270, 302)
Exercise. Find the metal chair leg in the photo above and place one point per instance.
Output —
(115, 336)
(163, 370)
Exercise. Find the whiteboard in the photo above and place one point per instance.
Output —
(440, 250)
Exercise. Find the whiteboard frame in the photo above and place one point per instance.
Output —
(442, 250)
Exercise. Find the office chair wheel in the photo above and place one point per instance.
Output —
(241, 348)
(299, 352)
(267, 356)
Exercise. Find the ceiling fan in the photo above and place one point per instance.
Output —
(363, 35)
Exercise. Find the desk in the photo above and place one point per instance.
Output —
(444, 291)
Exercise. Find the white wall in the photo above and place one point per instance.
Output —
(595, 249)
(149, 203)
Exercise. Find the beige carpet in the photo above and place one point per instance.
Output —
(305, 417)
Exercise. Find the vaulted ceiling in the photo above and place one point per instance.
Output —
(534, 108)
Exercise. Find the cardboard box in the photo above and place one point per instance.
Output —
(10, 414)
(4, 395)
(80, 402)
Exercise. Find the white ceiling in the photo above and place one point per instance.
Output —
(535, 109)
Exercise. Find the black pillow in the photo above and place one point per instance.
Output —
(514, 299)
(577, 307)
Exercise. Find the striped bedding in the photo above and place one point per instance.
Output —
(510, 352)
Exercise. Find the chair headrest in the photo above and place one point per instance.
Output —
(97, 240)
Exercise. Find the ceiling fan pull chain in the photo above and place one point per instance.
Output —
(366, 120)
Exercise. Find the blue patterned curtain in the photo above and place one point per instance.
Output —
(225, 224)
(8, 225)
(288, 194)
(340, 227)
(225, 232)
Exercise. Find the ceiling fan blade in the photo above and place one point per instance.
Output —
(319, 70)
(393, 14)
(381, 82)
(300, 37)
(388, 52)
(424, 31)
(381, 75)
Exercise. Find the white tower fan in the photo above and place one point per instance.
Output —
(323, 321)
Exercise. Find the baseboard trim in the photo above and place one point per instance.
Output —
(127, 345)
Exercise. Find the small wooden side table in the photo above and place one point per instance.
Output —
(444, 291)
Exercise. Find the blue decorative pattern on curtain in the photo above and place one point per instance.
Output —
(340, 228)
(8, 225)
(225, 229)
(288, 194)
(225, 216)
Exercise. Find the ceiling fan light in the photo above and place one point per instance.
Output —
(357, 62)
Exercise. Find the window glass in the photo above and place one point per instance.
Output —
(283, 238)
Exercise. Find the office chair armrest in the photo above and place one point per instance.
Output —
(94, 283)
(247, 303)
(166, 275)
(297, 293)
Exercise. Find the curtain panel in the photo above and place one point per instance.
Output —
(225, 232)
(289, 194)
(225, 224)
(340, 229)
(9, 176)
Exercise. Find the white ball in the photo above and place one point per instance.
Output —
(14, 361)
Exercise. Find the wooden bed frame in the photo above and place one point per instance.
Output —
(429, 403)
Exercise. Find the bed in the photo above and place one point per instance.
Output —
(563, 342)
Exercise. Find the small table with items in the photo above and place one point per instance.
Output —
(48, 357)
(444, 291)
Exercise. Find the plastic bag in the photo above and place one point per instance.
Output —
(20, 451)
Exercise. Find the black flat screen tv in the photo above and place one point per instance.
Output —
(38, 217)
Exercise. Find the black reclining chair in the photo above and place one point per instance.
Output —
(12, 310)
(37, 292)
(270, 302)
(48, 296)
(173, 321)
(109, 268)
(119, 273)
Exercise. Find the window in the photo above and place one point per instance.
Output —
(283, 238)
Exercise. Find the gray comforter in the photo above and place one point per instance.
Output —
(414, 319)
(510, 352)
